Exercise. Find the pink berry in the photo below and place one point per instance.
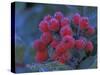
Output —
(43, 26)
(66, 30)
(47, 18)
(89, 46)
(80, 44)
(84, 23)
(76, 19)
(54, 43)
(58, 15)
(46, 38)
(65, 21)
(90, 31)
(54, 25)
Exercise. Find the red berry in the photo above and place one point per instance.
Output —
(55, 56)
(41, 56)
(47, 18)
(58, 15)
(54, 25)
(90, 31)
(76, 19)
(84, 22)
(46, 38)
(39, 45)
(66, 30)
(80, 44)
(61, 48)
(64, 22)
(54, 43)
(43, 26)
(69, 40)
(89, 46)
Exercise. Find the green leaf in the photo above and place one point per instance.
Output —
(88, 62)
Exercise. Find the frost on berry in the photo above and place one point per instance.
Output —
(76, 19)
(43, 26)
(84, 23)
(90, 30)
(53, 25)
(46, 37)
(59, 37)
(58, 15)
(66, 30)
(69, 41)
(65, 21)
(80, 44)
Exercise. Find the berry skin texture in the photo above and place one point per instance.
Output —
(46, 38)
(54, 43)
(89, 47)
(41, 56)
(58, 15)
(66, 30)
(90, 31)
(61, 48)
(54, 25)
(84, 23)
(39, 45)
(47, 18)
(80, 44)
(43, 26)
(65, 21)
(69, 40)
(76, 19)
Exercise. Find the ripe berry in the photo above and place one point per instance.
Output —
(84, 22)
(66, 30)
(39, 45)
(90, 31)
(80, 44)
(43, 26)
(58, 15)
(89, 46)
(61, 48)
(64, 21)
(54, 43)
(76, 19)
(47, 18)
(46, 38)
(69, 40)
(41, 56)
(54, 25)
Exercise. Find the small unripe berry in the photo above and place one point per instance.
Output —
(54, 25)
(84, 23)
(54, 43)
(39, 45)
(80, 44)
(90, 31)
(43, 26)
(41, 56)
(58, 15)
(46, 38)
(66, 30)
(76, 19)
(89, 46)
(65, 21)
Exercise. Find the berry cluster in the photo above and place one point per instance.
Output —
(57, 32)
